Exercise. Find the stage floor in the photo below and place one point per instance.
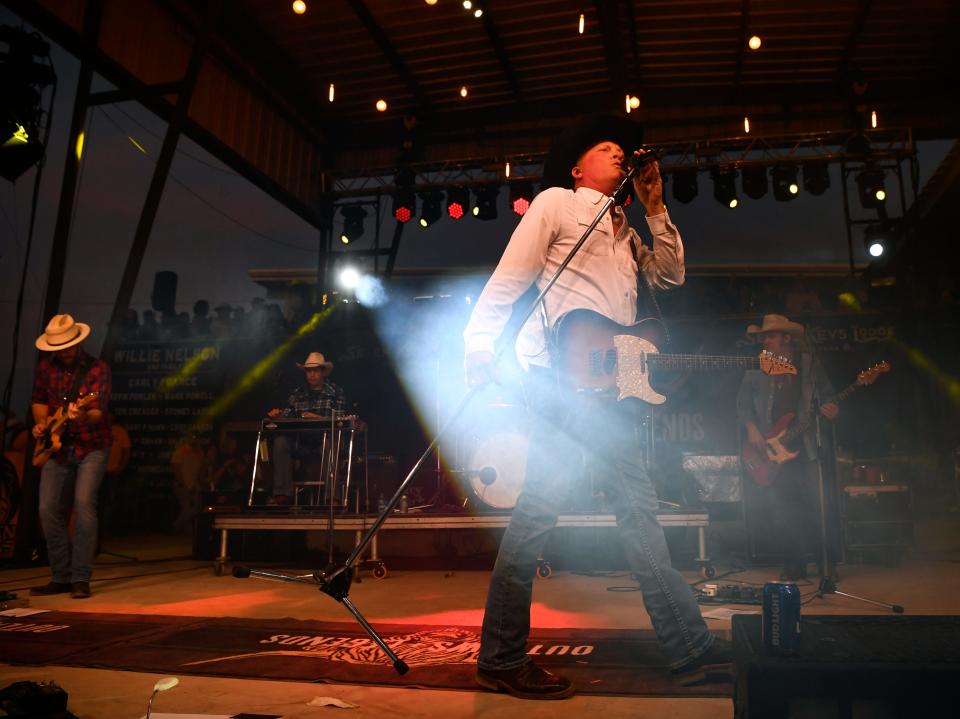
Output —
(164, 582)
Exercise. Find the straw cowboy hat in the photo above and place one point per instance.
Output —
(568, 146)
(775, 323)
(314, 360)
(62, 332)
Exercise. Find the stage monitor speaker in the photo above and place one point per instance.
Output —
(164, 296)
(865, 667)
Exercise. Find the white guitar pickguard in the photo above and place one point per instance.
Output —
(633, 368)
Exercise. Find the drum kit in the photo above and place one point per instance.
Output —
(490, 456)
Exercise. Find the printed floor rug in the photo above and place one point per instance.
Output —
(599, 661)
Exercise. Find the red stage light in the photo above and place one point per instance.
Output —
(455, 210)
(521, 195)
(402, 214)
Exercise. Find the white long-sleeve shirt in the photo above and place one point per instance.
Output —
(602, 277)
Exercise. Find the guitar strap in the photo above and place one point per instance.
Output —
(649, 291)
(78, 378)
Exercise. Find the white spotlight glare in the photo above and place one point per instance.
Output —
(371, 292)
(875, 249)
(478, 12)
(349, 278)
(467, 4)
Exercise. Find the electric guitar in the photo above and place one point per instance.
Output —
(764, 466)
(48, 444)
(599, 355)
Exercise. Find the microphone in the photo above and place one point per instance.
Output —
(640, 161)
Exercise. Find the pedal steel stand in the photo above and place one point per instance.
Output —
(335, 579)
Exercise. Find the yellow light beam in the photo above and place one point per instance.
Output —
(260, 369)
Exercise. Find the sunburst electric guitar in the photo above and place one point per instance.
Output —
(599, 355)
(764, 466)
(48, 443)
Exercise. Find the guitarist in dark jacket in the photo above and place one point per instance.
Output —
(70, 384)
(790, 497)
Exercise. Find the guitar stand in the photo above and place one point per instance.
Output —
(335, 579)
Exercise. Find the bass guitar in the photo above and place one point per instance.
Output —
(764, 466)
(599, 355)
(48, 444)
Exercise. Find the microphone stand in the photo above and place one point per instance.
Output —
(335, 579)
(828, 584)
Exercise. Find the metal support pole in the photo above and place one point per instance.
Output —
(71, 169)
(160, 172)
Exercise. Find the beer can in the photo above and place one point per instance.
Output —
(781, 618)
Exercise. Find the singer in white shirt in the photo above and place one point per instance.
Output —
(585, 166)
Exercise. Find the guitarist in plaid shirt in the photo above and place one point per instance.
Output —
(71, 380)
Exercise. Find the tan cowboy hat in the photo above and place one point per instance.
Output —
(314, 360)
(62, 332)
(775, 323)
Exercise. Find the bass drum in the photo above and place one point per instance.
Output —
(497, 469)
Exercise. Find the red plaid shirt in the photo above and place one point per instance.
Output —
(52, 382)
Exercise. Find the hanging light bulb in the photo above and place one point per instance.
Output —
(746, 124)
(463, 91)
(873, 119)
(299, 7)
(382, 105)
(330, 93)
(506, 169)
(754, 42)
(582, 24)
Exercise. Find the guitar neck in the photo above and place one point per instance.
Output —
(704, 362)
(801, 427)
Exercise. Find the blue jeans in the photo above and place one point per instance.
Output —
(564, 425)
(58, 480)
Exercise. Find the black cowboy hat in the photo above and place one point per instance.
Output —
(570, 143)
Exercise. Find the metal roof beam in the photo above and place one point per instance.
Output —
(853, 39)
(503, 58)
(608, 15)
(391, 53)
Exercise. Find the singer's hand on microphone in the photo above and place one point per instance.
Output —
(648, 186)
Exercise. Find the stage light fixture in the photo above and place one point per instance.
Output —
(404, 199)
(458, 202)
(725, 187)
(353, 216)
(816, 177)
(876, 239)
(22, 119)
(870, 186)
(430, 202)
(754, 181)
(485, 202)
(684, 185)
(785, 184)
(521, 195)
(299, 7)
(755, 42)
